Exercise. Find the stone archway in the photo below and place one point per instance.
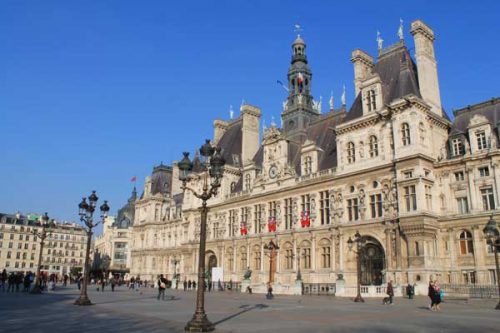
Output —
(210, 261)
(372, 262)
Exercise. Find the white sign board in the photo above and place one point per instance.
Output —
(217, 274)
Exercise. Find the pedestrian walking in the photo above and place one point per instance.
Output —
(431, 293)
(269, 294)
(189, 284)
(185, 284)
(437, 296)
(112, 281)
(390, 291)
(410, 291)
(103, 284)
(3, 279)
(194, 285)
(162, 285)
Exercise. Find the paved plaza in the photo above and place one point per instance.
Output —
(131, 311)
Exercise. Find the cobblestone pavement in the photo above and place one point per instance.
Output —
(131, 311)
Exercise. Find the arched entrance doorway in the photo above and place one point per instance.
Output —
(372, 262)
(210, 262)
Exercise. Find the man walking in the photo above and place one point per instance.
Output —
(185, 284)
(162, 284)
(390, 291)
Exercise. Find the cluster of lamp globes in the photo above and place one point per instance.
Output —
(214, 162)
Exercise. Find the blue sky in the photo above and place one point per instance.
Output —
(95, 92)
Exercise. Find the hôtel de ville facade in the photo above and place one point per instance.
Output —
(392, 165)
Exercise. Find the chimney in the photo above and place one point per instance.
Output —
(220, 127)
(250, 128)
(363, 64)
(426, 65)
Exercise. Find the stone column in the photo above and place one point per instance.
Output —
(494, 167)
(473, 203)
(313, 252)
(398, 248)
(388, 246)
(479, 255)
(453, 255)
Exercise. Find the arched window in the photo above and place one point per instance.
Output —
(288, 259)
(305, 255)
(351, 152)
(405, 133)
(325, 253)
(373, 146)
(466, 245)
(256, 258)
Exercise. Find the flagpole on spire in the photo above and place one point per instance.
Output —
(298, 29)
(331, 100)
(231, 112)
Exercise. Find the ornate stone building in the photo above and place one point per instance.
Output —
(392, 166)
(116, 238)
(19, 248)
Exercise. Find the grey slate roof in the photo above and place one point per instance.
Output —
(231, 143)
(398, 74)
(161, 180)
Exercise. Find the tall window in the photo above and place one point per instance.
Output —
(248, 182)
(376, 205)
(481, 140)
(351, 152)
(405, 132)
(324, 207)
(466, 245)
(233, 215)
(352, 209)
(462, 205)
(457, 147)
(308, 165)
(306, 258)
(257, 218)
(373, 146)
(289, 259)
(272, 209)
(243, 260)
(371, 101)
(244, 216)
(325, 257)
(428, 197)
(305, 203)
(257, 258)
(488, 198)
(288, 213)
(410, 198)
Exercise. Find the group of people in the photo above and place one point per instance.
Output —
(12, 282)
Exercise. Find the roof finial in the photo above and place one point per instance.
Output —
(400, 30)
(298, 29)
(264, 127)
(342, 98)
(331, 100)
(231, 112)
(379, 40)
(273, 124)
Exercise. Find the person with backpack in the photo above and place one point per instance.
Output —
(390, 291)
(162, 285)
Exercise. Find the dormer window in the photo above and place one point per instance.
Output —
(371, 101)
(457, 147)
(308, 165)
(405, 133)
(481, 140)
(248, 182)
(373, 146)
(351, 152)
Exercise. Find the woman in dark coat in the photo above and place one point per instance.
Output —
(432, 295)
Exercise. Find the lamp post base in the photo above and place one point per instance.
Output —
(83, 300)
(199, 323)
(359, 299)
(36, 290)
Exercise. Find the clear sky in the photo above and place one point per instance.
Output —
(95, 92)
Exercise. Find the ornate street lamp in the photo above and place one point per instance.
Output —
(37, 289)
(492, 237)
(86, 212)
(214, 164)
(272, 248)
(360, 243)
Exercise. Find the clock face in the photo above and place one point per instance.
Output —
(273, 172)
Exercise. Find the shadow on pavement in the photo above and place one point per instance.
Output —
(245, 308)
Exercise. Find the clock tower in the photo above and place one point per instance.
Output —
(298, 109)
